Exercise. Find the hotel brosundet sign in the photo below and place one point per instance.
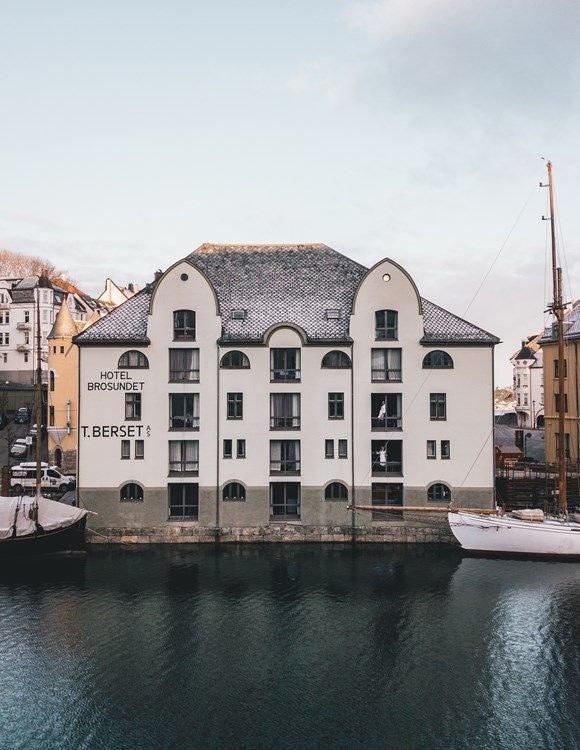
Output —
(115, 380)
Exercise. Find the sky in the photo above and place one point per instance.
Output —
(132, 131)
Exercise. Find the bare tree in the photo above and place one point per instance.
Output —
(20, 264)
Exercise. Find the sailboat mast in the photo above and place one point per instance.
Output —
(558, 308)
(38, 393)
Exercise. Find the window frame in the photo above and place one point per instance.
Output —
(329, 448)
(186, 331)
(342, 448)
(125, 450)
(241, 448)
(124, 362)
(331, 494)
(438, 495)
(174, 372)
(431, 450)
(387, 331)
(286, 374)
(445, 363)
(235, 405)
(438, 407)
(445, 451)
(183, 416)
(336, 405)
(236, 499)
(285, 516)
(133, 407)
(243, 357)
(137, 489)
(343, 360)
(175, 467)
(192, 504)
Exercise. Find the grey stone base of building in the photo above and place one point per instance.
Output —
(407, 532)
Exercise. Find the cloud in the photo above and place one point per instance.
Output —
(317, 80)
(383, 19)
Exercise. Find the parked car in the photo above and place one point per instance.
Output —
(19, 447)
(22, 415)
(23, 476)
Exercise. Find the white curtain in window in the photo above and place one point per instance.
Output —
(295, 404)
(196, 406)
(275, 452)
(378, 359)
(393, 359)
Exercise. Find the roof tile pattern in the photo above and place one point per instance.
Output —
(571, 326)
(125, 324)
(441, 326)
(278, 284)
(281, 283)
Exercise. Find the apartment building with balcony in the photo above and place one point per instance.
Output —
(528, 382)
(252, 386)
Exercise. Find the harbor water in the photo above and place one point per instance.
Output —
(297, 646)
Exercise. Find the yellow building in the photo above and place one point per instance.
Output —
(62, 407)
(549, 345)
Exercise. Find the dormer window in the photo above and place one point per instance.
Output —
(184, 325)
(386, 325)
(239, 314)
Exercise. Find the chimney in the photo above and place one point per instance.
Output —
(158, 274)
(130, 286)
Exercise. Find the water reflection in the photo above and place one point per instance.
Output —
(300, 646)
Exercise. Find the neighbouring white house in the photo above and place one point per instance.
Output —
(528, 380)
(18, 320)
(252, 386)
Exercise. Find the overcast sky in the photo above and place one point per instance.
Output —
(132, 131)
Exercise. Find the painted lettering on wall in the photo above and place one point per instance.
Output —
(115, 380)
(115, 431)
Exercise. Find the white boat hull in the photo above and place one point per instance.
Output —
(510, 536)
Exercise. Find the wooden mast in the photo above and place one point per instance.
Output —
(558, 307)
(38, 392)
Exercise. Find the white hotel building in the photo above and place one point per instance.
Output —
(244, 388)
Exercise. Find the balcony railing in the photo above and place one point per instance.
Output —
(386, 376)
(389, 467)
(386, 423)
(184, 376)
(23, 348)
(184, 422)
(184, 466)
(285, 466)
(285, 374)
(284, 423)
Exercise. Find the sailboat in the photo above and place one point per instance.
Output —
(530, 532)
(35, 525)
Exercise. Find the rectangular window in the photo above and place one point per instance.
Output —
(343, 449)
(386, 457)
(184, 365)
(26, 356)
(27, 316)
(525, 399)
(445, 449)
(184, 325)
(557, 368)
(386, 494)
(284, 364)
(184, 456)
(285, 457)
(285, 500)
(44, 316)
(125, 449)
(62, 349)
(228, 448)
(51, 415)
(241, 448)
(336, 405)
(5, 358)
(184, 411)
(386, 365)
(132, 406)
(437, 406)
(431, 449)
(6, 339)
(7, 317)
(235, 406)
(386, 325)
(386, 411)
(329, 449)
(284, 411)
(557, 402)
(139, 449)
(183, 500)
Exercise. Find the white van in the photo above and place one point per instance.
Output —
(23, 477)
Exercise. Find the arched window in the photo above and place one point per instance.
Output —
(133, 360)
(437, 360)
(234, 491)
(386, 325)
(51, 380)
(131, 492)
(336, 360)
(439, 492)
(336, 491)
(58, 457)
(235, 361)
(184, 325)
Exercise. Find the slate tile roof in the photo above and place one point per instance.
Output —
(441, 326)
(126, 324)
(274, 284)
(571, 326)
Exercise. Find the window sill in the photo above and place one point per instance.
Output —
(190, 520)
(291, 519)
(284, 473)
(386, 429)
(183, 381)
(234, 419)
(183, 429)
(183, 473)
(284, 429)
(386, 474)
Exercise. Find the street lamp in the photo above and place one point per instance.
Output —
(533, 415)
(526, 436)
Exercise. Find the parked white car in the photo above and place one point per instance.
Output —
(19, 447)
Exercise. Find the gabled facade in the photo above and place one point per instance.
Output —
(251, 386)
(528, 382)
